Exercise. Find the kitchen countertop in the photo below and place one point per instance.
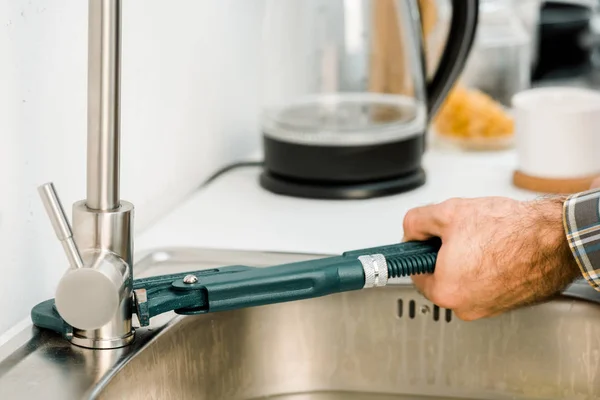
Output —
(234, 212)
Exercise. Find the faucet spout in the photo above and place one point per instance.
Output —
(104, 104)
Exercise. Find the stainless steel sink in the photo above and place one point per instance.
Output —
(380, 344)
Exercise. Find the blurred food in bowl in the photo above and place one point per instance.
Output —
(474, 120)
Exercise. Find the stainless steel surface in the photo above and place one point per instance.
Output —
(100, 233)
(368, 345)
(60, 223)
(375, 268)
(96, 299)
(350, 396)
(104, 103)
(190, 279)
(106, 230)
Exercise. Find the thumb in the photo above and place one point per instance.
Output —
(595, 183)
(423, 223)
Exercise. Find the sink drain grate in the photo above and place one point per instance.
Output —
(437, 314)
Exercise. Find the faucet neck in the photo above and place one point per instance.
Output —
(104, 104)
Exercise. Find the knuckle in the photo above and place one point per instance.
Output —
(448, 210)
(410, 221)
(452, 203)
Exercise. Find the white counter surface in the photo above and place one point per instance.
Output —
(234, 212)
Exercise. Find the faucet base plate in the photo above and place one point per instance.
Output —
(103, 344)
(45, 316)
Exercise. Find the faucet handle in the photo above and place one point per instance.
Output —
(60, 223)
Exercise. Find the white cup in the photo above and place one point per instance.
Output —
(557, 131)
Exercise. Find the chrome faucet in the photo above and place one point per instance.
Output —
(95, 294)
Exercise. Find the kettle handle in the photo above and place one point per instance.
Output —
(463, 27)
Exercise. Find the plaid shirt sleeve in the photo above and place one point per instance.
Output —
(582, 226)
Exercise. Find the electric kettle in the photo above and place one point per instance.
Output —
(345, 100)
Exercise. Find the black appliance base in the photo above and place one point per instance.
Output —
(329, 191)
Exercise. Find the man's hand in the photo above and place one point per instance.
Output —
(497, 254)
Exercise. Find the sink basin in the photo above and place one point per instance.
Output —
(376, 344)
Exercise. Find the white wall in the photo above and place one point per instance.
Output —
(189, 107)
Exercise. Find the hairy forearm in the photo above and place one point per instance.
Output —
(552, 259)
